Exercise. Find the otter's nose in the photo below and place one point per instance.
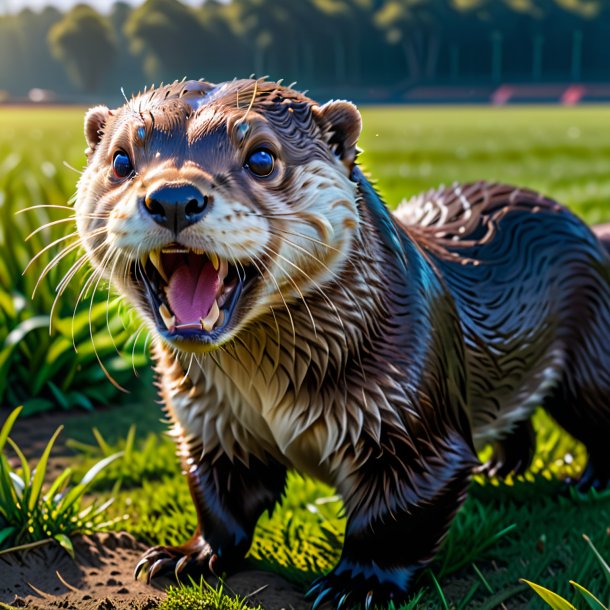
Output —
(176, 207)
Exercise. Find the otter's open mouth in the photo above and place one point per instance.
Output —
(193, 294)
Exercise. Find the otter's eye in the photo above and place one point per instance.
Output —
(260, 162)
(121, 164)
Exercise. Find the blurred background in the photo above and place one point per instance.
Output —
(497, 51)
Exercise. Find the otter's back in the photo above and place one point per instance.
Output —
(517, 265)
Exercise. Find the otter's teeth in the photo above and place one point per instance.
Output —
(208, 322)
(168, 319)
(214, 258)
(223, 270)
(155, 259)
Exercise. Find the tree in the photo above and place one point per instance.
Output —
(84, 41)
(416, 26)
(171, 39)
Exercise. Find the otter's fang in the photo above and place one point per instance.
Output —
(168, 318)
(191, 289)
(155, 259)
(208, 322)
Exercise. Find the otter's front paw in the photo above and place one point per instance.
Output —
(353, 585)
(194, 558)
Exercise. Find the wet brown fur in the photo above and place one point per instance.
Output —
(379, 361)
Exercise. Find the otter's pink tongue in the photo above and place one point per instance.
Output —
(191, 290)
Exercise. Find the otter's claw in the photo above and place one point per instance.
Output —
(345, 587)
(180, 565)
(142, 564)
(191, 559)
(156, 567)
(342, 600)
(321, 598)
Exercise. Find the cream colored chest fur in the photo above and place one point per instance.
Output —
(251, 401)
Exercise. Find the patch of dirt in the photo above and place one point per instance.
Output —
(101, 578)
(269, 590)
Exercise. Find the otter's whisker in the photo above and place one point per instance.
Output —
(133, 349)
(109, 291)
(279, 291)
(188, 370)
(49, 224)
(67, 278)
(110, 378)
(48, 247)
(335, 278)
(58, 257)
(319, 242)
(54, 243)
(92, 277)
(348, 259)
(296, 287)
(71, 167)
(79, 264)
(44, 205)
(60, 221)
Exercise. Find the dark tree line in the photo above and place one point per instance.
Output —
(359, 44)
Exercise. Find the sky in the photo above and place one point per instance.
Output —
(102, 5)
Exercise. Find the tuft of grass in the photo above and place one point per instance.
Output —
(146, 459)
(30, 516)
(557, 602)
(203, 596)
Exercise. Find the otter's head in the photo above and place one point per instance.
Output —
(208, 205)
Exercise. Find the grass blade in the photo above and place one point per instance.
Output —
(7, 426)
(65, 543)
(591, 600)
(602, 561)
(40, 470)
(552, 599)
(24, 463)
(97, 468)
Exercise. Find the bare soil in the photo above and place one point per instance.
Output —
(100, 578)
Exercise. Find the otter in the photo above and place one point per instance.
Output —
(299, 323)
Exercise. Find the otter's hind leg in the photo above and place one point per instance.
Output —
(399, 503)
(514, 453)
(229, 497)
(584, 412)
(581, 401)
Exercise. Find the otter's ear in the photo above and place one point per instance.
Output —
(95, 119)
(342, 123)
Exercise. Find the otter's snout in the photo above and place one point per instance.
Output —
(175, 207)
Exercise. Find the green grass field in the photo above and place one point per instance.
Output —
(506, 531)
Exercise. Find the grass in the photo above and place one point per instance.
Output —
(40, 370)
(31, 515)
(202, 596)
(523, 529)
